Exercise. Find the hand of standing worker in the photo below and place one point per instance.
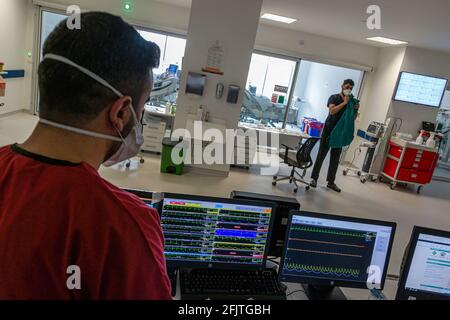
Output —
(346, 100)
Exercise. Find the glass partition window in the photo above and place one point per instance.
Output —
(316, 82)
(268, 88)
(277, 98)
(167, 77)
(49, 22)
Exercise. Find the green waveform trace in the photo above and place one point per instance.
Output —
(328, 231)
(323, 270)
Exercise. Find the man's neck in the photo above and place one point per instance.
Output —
(63, 145)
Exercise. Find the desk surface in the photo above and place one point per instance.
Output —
(275, 130)
(154, 112)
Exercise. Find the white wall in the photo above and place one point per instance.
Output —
(377, 94)
(233, 23)
(315, 47)
(446, 100)
(426, 62)
(15, 41)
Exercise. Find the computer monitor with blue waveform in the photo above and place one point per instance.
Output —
(204, 232)
(326, 251)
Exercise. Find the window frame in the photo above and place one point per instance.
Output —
(38, 54)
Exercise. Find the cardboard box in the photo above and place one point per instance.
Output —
(2, 87)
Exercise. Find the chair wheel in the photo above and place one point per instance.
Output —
(295, 190)
(308, 188)
(363, 180)
(142, 161)
(275, 178)
(128, 165)
(359, 173)
(274, 183)
(345, 173)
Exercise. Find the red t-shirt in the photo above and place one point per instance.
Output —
(55, 214)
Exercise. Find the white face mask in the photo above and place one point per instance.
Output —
(347, 92)
(130, 145)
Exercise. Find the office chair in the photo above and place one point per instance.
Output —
(301, 161)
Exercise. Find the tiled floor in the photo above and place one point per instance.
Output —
(371, 200)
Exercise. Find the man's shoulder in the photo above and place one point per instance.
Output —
(336, 96)
(335, 99)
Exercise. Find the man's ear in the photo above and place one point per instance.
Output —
(120, 113)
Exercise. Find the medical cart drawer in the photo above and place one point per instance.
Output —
(390, 168)
(414, 176)
(395, 150)
(419, 164)
(411, 153)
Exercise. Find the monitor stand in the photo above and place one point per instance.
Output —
(324, 293)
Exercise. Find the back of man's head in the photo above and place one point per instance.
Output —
(105, 45)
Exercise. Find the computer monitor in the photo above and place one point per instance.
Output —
(284, 207)
(204, 232)
(426, 273)
(332, 251)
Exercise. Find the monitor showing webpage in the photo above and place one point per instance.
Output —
(430, 267)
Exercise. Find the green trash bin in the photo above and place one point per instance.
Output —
(167, 163)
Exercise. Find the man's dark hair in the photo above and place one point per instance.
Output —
(107, 46)
(350, 82)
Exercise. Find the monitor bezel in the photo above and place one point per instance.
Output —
(402, 293)
(140, 193)
(218, 265)
(394, 98)
(338, 283)
(273, 250)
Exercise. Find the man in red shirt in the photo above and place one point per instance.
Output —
(65, 233)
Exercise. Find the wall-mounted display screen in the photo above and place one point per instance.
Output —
(420, 89)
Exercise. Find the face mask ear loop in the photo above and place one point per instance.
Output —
(121, 136)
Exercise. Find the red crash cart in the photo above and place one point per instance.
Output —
(410, 163)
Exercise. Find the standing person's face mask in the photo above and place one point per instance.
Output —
(130, 145)
(347, 92)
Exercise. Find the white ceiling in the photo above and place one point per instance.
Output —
(423, 23)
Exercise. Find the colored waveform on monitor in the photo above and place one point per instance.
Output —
(321, 270)
(333, 232)
(327, 253)
(328, 242)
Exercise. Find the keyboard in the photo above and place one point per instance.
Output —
(203, 284)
